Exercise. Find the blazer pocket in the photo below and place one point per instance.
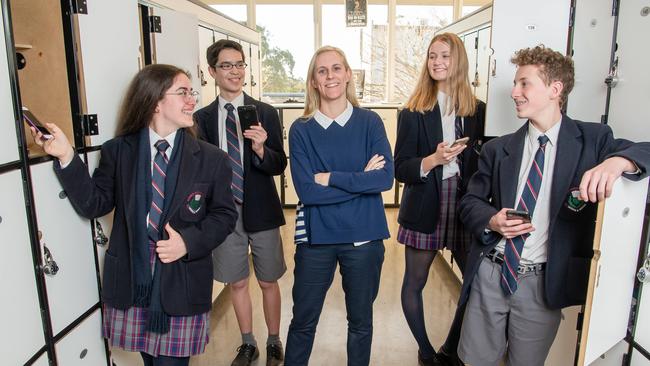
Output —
(109, 282)
(199, 280)
(194, 206)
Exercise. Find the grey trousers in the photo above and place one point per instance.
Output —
(519, 325)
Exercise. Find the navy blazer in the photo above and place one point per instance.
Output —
(580, 147)
(262, 209)
(418, 136)
(186, 284)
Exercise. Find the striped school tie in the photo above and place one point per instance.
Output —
(527, 201)
(158, 176)
(234, 154)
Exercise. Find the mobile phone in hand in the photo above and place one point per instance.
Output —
(518, 214)
(460, 141)
(32, 121)
(247, 116)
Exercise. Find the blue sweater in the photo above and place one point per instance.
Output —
(350, 209)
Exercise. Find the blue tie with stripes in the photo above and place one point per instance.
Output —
(234, 154)
(158, 176)
(527, 201)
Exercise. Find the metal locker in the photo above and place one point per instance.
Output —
(290, 195)
(8, 143)
(469, 41)
(110, 53)
(641, 330)
(84, 345)
(255, 72)
(592, 42)
(22, 331)
(628, 114)
(102, 225)
(72, 290)
(289, 115)
(482, 64)
(389, 117)
(208, 86)
(178, 43)
(247, 56)
(42, 361)
(515, 26)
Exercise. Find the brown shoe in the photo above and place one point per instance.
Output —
(246, 353)
(274, 355)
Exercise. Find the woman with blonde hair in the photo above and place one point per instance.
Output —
(439, 135)
(340, 163)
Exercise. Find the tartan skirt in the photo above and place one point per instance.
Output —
(450, 232)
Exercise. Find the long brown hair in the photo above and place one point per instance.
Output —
(312, 95)
(147, 88)
(460, 96)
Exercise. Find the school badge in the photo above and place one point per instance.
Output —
(574, 203)
(194, 202)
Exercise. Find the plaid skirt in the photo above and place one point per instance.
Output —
(450, 232)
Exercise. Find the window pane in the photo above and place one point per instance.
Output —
(287, 47)
(414, 28)
(234, 11)
(364, 47)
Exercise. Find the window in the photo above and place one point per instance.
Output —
(287, 47)
(364, 47)
(234, 11)
(414, 28)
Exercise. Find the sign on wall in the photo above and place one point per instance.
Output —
(356, 13)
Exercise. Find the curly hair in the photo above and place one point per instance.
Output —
(553, 66)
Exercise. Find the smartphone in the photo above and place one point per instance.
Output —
(247, 116)
(517, 214)
(460, 141)
(31, 120)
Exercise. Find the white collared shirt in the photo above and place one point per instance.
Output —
(154, 137)
(536, 245)
(341, 119)
(448, 135)
(223, 113)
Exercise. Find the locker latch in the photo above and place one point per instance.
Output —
(100, 238)
(612, 79)
(49, 266)
(643, 275)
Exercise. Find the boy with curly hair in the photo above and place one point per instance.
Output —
(524, 268)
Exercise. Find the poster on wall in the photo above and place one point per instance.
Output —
(356, 13)
(359, 77)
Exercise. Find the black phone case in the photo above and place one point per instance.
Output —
(247, 116)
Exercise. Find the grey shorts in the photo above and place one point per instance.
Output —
(520, 325)
(230, 259)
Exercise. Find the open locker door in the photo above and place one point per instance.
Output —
(109, 52)
(611, 279)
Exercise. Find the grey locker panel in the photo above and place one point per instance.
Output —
(515, 26)
(8, 145)
(42, 361)
(73, 290)
(208, 87)
(22, 333)
(247, 55)
(482, 63)
(592, 35)
(290, 195)
(614, 356)
(84, 345)
(106, 222)
(469, 41)
(642, 330)
(110, 51)
(289, 115)
(628, 114)
(255, 72)
(178, 44)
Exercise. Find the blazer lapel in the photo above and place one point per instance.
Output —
(128, 161)
(189, 167)
(567, 156)
(433, 133)
(510, 167)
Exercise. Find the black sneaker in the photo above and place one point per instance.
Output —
(429, 361)
(246, 353)
(448, 359)
(274, 355)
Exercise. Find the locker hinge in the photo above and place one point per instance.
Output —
(476, 43)
(572, 15)
(90, 125)
(581, 316)
(79, 7)
(154, 24)
(615, 4)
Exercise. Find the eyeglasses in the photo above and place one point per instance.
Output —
(228, 65)
(187, 95)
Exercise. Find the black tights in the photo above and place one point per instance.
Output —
(149, 360)
(418, 263)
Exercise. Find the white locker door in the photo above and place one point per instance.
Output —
(208, 88)
(482, 63)
(42, 361)
(110, 52)
(628, 114)
(8, 144)
(389, 117)
(84, 345)
(22, 333)
(592, 35)
(105, 223)
(518, 24)
(469, 41)
(613, 272)
(73, 290)
(642, 330)
(247, 56)
(178, 44)
(290, 195)
(255, 72)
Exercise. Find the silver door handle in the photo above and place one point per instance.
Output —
(49, 265)
(100, 238)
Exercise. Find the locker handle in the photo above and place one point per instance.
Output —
(494, 67)
(476, 81)
(100, 238)
(612, 78)
(49, 265)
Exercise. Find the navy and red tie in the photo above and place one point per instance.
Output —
(158, 176)
(234, 154)
(527, 201)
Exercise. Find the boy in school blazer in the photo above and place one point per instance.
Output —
(518, 312)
